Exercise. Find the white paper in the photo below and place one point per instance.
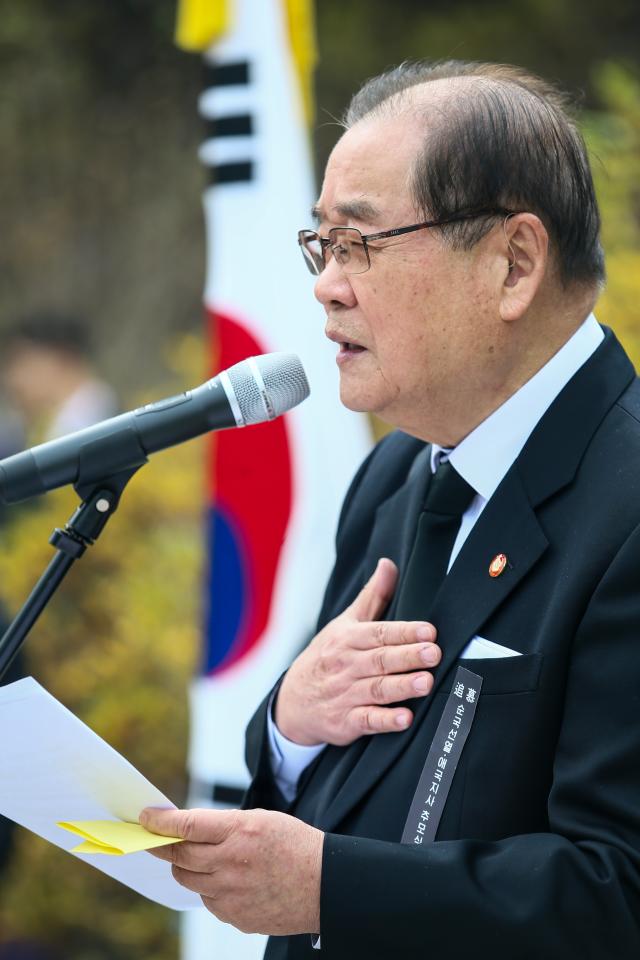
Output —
(53, 767)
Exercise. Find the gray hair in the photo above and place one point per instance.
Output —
(506, 141)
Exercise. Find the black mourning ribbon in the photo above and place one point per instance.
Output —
(448, 497)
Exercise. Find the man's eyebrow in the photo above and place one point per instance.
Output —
(362, 210)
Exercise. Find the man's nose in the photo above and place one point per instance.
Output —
(333, 286)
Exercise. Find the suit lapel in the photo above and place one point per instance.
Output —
(469, 595)
(396, 518)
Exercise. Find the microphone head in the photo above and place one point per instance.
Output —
(268, 385)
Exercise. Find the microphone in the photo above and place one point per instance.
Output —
(252, 391)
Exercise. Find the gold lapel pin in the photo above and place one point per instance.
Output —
(497, 565)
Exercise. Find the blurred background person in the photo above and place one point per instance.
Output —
(51, 388)
(50, 378)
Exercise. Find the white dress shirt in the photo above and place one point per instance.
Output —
(483, 459)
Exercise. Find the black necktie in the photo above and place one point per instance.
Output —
(448, 497)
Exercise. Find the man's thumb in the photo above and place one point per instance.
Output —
(374, 597)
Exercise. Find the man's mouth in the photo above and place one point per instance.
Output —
(347, 349)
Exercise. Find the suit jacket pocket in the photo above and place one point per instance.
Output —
(506, 674)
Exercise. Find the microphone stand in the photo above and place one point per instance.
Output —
(100, 500)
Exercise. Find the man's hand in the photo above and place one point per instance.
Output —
(255, 869)
(336, 690)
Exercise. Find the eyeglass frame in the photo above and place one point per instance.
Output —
(325, 242)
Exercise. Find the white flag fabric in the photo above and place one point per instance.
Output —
(275, 489)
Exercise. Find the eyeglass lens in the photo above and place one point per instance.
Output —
(346, 245)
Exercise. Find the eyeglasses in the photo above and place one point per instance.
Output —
(350, 247)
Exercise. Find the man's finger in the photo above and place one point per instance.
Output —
(374, 597)
(196, 882)
(391, 633)
(392, 689)
(396, 659)
(196, 857)
(370, 719)
(164, 853)
(199, 826)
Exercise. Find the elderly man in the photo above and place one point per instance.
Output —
(454, 760)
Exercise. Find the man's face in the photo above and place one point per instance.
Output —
(416, 331)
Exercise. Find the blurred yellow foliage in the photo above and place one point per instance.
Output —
(613, 137)
(117, 645)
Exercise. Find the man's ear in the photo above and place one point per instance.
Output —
(526, 250)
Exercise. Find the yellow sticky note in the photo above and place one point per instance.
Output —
(115, 837)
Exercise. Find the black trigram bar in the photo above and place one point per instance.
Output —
(226, 74)
(240, 172)
(240, 125)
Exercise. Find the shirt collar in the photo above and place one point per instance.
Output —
(486, 454)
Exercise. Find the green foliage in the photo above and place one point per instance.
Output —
(117, 645)
(613, 136)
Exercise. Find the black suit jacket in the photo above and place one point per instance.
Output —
(538, 851)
